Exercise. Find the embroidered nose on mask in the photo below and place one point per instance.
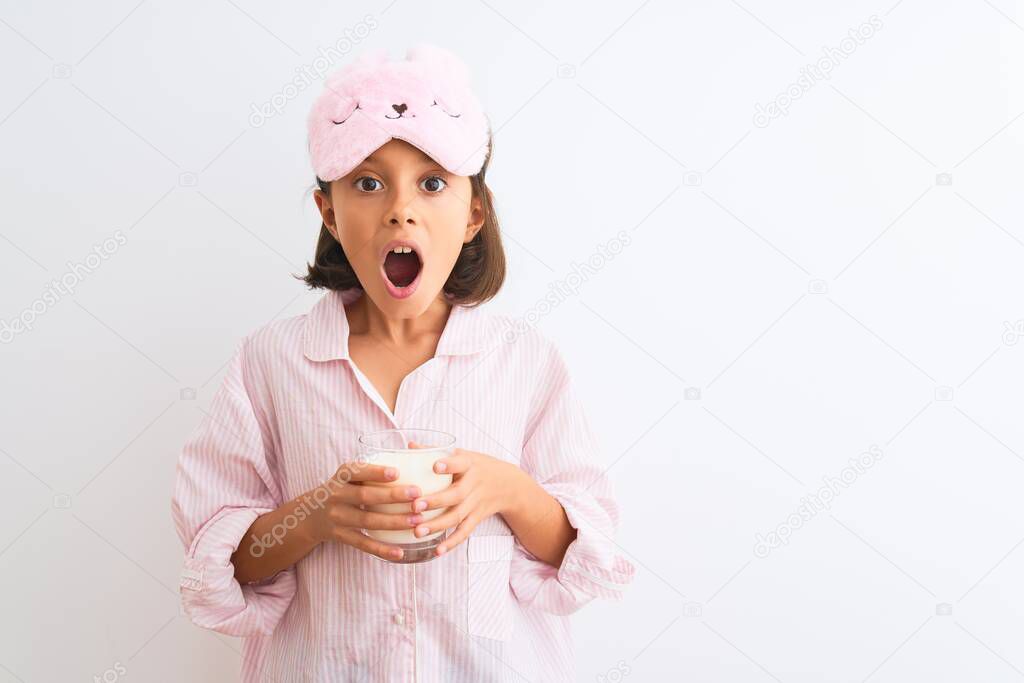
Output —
(400, 108)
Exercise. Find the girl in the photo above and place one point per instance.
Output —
(269, 497)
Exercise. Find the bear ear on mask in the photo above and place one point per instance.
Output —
(425, 99)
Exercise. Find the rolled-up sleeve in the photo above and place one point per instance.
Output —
(223, 482)
(559, 453)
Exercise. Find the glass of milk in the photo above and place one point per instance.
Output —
(390, 448)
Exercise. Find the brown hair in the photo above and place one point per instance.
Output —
(478, 272)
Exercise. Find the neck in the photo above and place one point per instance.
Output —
(366, 318)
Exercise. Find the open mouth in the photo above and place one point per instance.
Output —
(401, 268)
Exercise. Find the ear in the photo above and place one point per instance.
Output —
(326, 209)
(439, 60)
(476, 219)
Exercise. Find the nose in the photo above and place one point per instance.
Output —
(400, 108)
(401, 212)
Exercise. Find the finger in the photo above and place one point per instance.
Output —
(453, 464)
(385, 551)
(445, 498)
(460, 534)
(357, 471)
(445, 520)
(368, 494)
(367, 519)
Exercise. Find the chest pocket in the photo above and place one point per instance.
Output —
(489, 596)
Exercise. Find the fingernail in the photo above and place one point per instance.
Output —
(441, 550)
(441, 467)
(390, 473)
(421, 530)
(396, 553)
(420, 505)
(412, 492)
(415, 519)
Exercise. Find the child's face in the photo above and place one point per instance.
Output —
(399, 193)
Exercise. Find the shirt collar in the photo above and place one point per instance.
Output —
(468, 330)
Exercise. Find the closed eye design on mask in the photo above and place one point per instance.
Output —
(338, 123)
(454, 116)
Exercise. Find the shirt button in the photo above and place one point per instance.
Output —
(399, 618)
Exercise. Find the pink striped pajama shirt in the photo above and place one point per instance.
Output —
(288, 414)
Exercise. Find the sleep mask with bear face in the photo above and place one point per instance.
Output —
(424, 99)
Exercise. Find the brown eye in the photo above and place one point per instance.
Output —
(364, 183)
(434, 184)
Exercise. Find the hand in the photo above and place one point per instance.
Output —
(340, 518)
(481, 486)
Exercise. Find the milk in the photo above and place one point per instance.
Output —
(415, 468)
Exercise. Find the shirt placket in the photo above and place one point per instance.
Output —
(403, 621)
(417, 396)
(416, 392)
(419, 392)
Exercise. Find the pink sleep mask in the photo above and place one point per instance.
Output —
(424, 99)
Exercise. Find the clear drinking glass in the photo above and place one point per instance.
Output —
(390, 448)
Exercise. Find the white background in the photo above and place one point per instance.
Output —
(792, 295)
